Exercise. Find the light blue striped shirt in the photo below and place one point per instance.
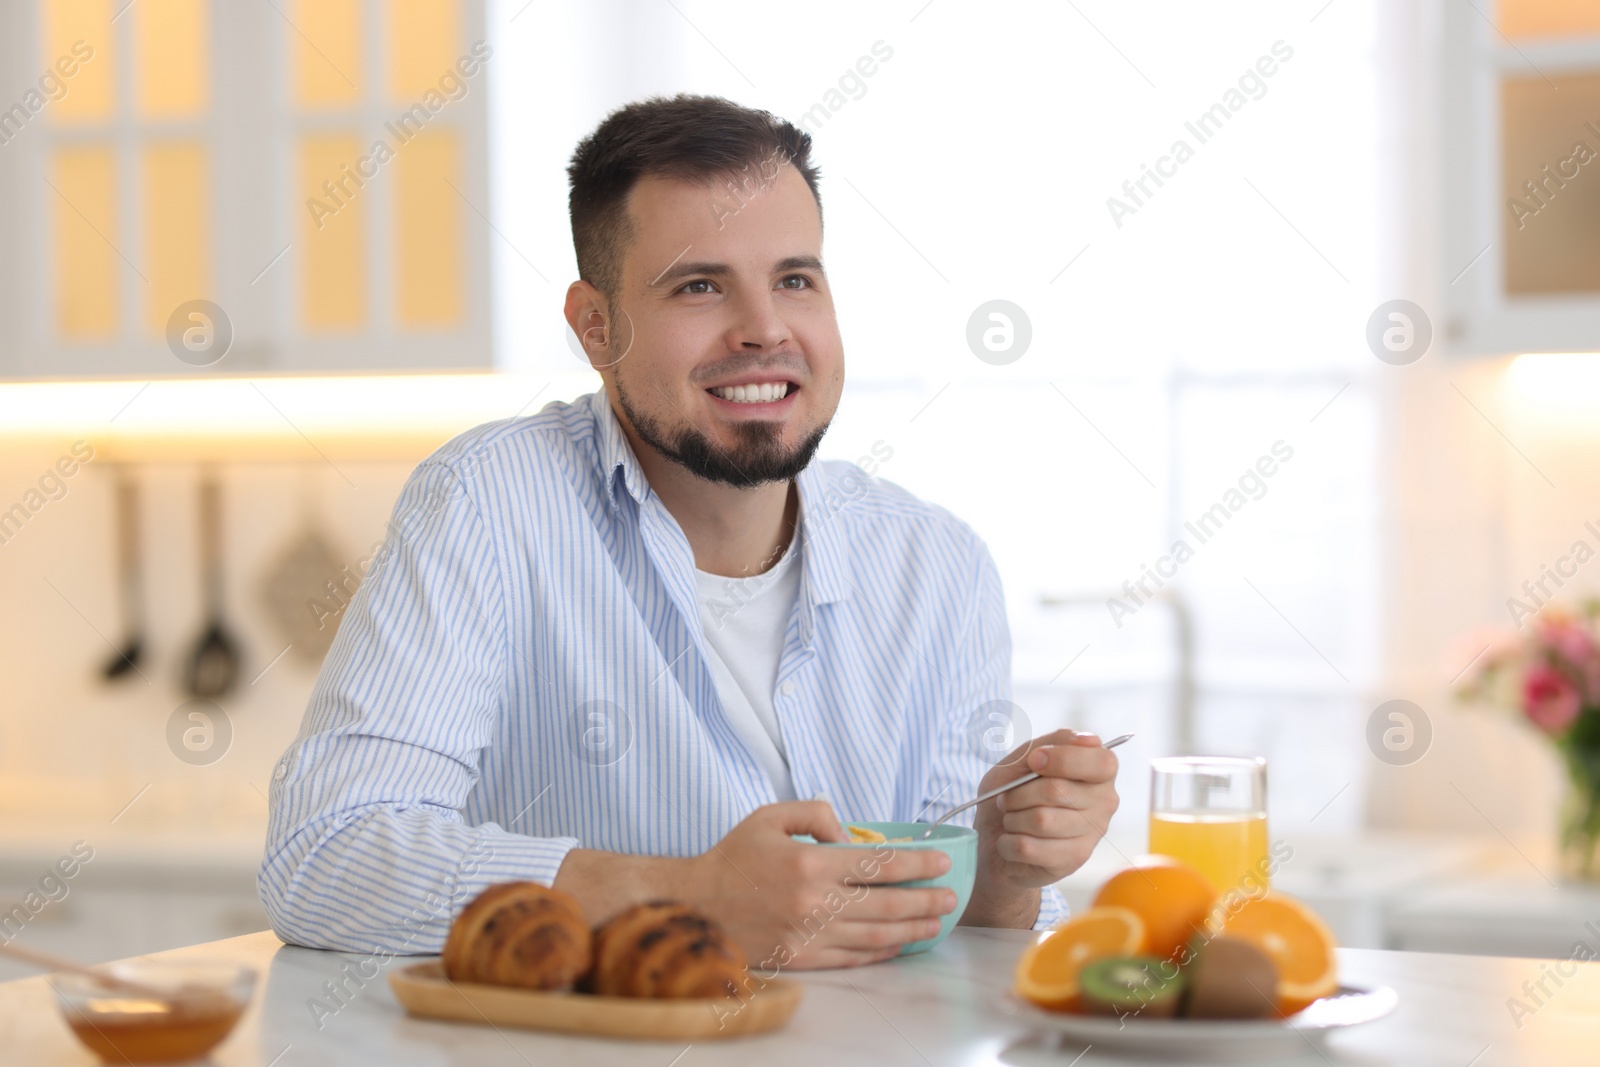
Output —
(523, 671)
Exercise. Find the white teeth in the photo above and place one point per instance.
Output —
(753, 394)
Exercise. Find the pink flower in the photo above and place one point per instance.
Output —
(1576, 647)
(1549, 699)
(1569, 639)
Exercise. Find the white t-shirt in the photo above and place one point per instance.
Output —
(745, 621)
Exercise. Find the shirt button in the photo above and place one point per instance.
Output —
(787, 689)
(283, 770)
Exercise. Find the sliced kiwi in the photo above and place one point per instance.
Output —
(1132, 985)
(1230, 978)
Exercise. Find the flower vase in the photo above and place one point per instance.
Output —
(1580, 828)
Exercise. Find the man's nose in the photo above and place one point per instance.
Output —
(759, 326)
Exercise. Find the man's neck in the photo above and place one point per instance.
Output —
(733, 532)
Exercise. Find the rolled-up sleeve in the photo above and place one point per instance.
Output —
(366, 847)
(977, 677)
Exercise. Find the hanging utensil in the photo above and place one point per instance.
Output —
(213, 667)
(306, 588)
(131, 581)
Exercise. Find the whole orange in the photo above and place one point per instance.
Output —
(1172, 898)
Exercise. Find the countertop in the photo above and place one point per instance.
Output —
(936, 1008)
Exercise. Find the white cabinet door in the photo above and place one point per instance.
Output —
(1518, 178)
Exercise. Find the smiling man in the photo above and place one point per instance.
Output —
(607, 646)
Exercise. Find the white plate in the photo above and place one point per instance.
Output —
(1214, 1038)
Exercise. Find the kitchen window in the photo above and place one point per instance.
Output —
(1136, 406)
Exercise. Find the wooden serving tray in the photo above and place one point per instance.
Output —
(424, 991)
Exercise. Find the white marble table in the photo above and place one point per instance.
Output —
(932, 1009)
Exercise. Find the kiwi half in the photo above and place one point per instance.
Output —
(1229, 978)
(1131, 985)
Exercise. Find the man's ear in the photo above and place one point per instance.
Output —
(587, 314)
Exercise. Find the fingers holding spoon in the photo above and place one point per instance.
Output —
(1026, 778)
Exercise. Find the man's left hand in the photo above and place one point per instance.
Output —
(1039, 833)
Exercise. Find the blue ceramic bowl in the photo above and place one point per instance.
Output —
(960, 843)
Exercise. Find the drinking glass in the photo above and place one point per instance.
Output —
(1211, 813)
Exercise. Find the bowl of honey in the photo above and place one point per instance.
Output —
(154, 1011)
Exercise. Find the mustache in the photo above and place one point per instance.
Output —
(783, 363)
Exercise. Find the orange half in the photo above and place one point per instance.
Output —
(1047, 973)
(1297, 941)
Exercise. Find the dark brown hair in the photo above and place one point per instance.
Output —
(692, 138)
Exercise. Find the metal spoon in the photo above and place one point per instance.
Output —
(1030, 776)
(213, 666)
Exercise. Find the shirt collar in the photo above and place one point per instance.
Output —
(615, 452)
(826, 557)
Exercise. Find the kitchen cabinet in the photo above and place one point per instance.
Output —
(108, 923)
(1518, 175)
(193, 186)
(1507, 911)
(136, 895)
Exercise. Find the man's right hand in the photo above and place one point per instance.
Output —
(792, 904)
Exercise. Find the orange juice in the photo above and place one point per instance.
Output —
(1226, 847)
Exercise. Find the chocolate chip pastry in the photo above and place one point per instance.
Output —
(665, 949)
(519, 934)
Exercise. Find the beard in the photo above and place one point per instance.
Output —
(758, 458)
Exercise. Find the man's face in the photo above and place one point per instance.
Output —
(727, 353)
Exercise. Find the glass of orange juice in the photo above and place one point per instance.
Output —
(1211, 813)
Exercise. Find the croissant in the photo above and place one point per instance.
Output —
(519, 934)
(666, 949)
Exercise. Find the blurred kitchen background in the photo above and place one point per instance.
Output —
(209, 276)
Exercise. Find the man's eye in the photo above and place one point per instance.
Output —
(689, 287)
(805, 283)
